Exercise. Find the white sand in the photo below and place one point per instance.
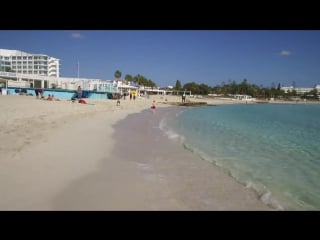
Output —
(53, 153)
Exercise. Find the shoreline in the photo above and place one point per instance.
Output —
(68, 156)
(190, 181)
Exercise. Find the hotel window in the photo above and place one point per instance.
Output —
(24, 58)
(29, 57)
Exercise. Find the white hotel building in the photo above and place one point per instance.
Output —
(28, 63)
(42, 71)
(301, 90)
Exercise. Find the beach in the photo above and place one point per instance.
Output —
(59, 155)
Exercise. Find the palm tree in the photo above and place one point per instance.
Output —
(117, 74)
(128, 78)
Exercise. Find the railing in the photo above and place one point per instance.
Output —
(8, 74)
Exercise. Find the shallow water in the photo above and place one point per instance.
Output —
(271, 148)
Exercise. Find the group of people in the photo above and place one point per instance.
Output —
(132, 95)
(51, 98)
(78, 96)
(40, 94)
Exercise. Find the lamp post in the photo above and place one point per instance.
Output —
(78, 70)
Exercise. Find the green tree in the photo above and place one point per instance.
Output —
(243, 87)
(204, 89)
(128, 78)
(193, 87)
(138, 79)
(178, 85)
(117, 74)
(143, 81)
(150, 84)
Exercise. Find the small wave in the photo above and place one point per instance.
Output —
(267, 199)
(172, 135)
(249, 185)
(263, 194)
(200, 154)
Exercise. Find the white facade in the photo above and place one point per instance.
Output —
(38, 81)
(28, 63)
(299, 90)
(243, 97)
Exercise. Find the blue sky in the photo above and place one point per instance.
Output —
(262, 57)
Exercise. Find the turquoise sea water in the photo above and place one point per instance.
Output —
(273, 148)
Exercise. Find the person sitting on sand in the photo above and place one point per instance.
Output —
(50, 98)
(54, 98)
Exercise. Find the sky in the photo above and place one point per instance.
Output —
(212, 57)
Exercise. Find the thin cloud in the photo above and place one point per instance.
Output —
(285, 53)
(76, 35)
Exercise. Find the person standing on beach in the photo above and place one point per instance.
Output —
(118, 100)
(79, 92)
(153, 106)
(36, 90)
(183, 98)
(41, 92)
